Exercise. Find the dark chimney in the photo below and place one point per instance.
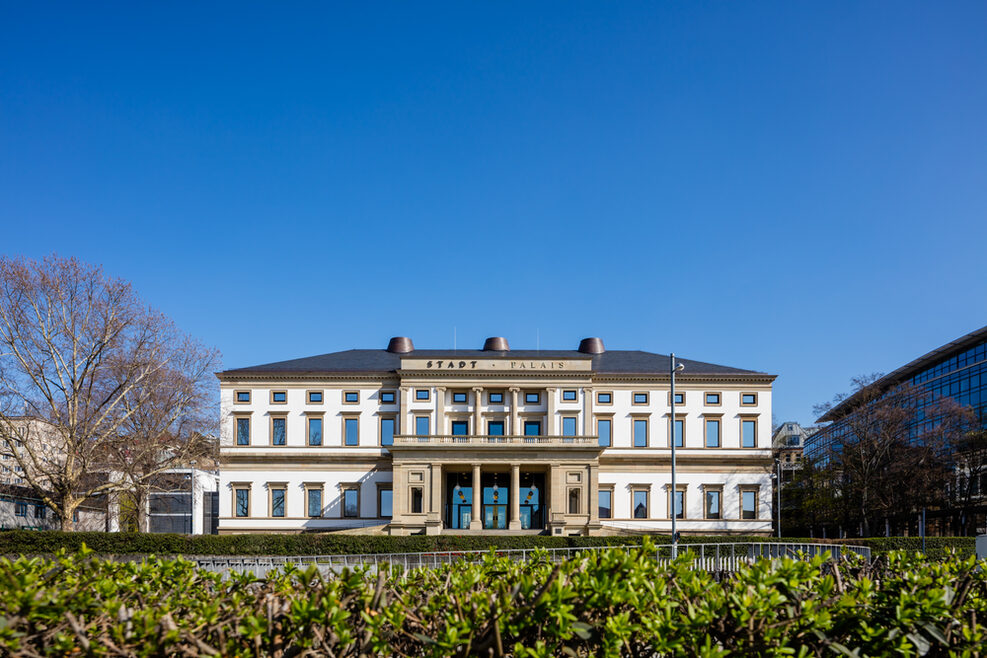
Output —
(400, 345)
(591, 346)
(496, 344)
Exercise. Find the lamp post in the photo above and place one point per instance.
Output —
(672, 368)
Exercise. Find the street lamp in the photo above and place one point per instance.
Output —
(778, 478)
(672, 369)
(191, 500)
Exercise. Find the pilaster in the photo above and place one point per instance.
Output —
(515, 517)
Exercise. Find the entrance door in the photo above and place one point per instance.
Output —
(495, 501)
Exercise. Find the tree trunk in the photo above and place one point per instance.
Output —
(65, 519)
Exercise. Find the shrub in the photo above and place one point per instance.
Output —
(607, 603)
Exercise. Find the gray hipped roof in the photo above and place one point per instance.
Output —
(379, 361)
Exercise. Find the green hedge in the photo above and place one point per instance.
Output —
(611, 603)
(18, 542)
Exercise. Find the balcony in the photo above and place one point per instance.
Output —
(489, 441)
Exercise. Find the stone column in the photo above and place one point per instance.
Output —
(477, 406)
(515, 518)
(550, 429)
(440, 410)
(476, 523)
(588, 429)
(594, 493)
(436, 487)
(515, 430)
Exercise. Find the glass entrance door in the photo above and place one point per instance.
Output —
(495, 501)
(459, 501)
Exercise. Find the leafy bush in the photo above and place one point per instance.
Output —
(607, 603)
(27, 542)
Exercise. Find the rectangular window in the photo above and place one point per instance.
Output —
(422, 394)
(279, 397)
(460, 397)
(387, 397)
(460, 428)
(416, 500)
(679, 398)
(242, 502)
(279, 431)
(640, 433)
(604, 398)
(532, 398)
(639, 503)
(748, 433)
(713, 398)
(573, 501)
(748, 504)
(569, 426)
(603, 430)
(351, 503)
(679, 504)
(387, 431)
(421, 426)
(39, 511)
(712, 433)
(496, 398)
(640, 398)
(713, 503)
(243, 431)
(315, 431)
(277, 503)
(385, 503)
(243, 396)
(606, 504)
(679, 432)
(495, 428)
(20, 509)
(532, 428)
(314, 502)
(351, 428)
(351, 397)
(315, 397)
(748, 399)
(569, 396)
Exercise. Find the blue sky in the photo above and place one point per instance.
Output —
(797, 188)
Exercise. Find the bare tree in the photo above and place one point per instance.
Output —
(887, 450)
(85, 358)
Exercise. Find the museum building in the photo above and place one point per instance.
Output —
(410, 441)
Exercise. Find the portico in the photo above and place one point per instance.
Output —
(495, 483)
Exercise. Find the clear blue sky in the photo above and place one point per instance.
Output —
(798, 188)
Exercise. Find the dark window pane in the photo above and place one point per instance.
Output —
(532, 398)
(679, 500)
(460, 428)
(386, 503)
(421, 426)
(278, 431)
(639, 502)
(421, 394)
(569, 426)
(680, 398)
(315, 431)
(748, 398)
(352, 396)
(242, 431)
(277, 502)
(495, 428)
(606, 511)
(280, 396)
(532, 428)
(416, 500)
(679, 433)
(351, 503)
(603, 429)
(712, 398)
(569, 396)
(749, 505)
(640, 398)
(243, 396)
(242, 502)
(459, 397)
(712, 434)
(496, 398)
(712, 504)
(387, 397)
(352, 432)
(749, 437)
(574, 501)
(604, 398)
(640, 433)
(315, 502)
(386, 431)
(315, 396)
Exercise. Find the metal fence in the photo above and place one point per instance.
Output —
(710, 557)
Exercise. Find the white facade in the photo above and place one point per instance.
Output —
(560, 458)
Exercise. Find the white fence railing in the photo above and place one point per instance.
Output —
(709, 557)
